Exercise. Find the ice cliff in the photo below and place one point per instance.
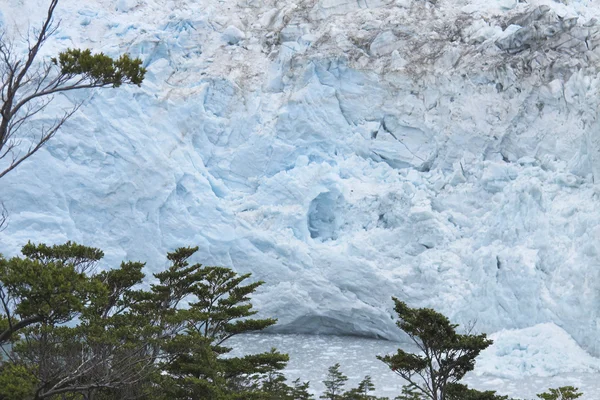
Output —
(344, 151)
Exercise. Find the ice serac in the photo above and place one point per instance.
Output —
(444, 152)
(542, 350)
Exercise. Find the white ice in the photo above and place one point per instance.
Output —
(343, 152)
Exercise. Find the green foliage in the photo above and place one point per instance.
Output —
(456, 391)
(100, 68)
(48, 286)
(16, 382)
(562, 393)
(409, 393)
(218, 308)
(299, 391)
(366, 385)
(71, 330)
(274, 387)
(28, 85)
(334, 383)
(68, 253)
(446, 356)
(362, 391)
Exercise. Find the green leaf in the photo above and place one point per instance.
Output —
(100, 69)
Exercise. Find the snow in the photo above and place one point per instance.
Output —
(343, 152)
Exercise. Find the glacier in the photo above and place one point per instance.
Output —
(443, 152)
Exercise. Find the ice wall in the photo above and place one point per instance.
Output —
(343, 151)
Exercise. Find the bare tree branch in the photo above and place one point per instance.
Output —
(3, 216)
(27, 87)
(46, 135)
(4, 336)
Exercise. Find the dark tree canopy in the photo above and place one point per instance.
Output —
(457, 391)
(562, 393)
(71, 331)
(445, 355)
(66, 329)
(219, 308)
(100, 69)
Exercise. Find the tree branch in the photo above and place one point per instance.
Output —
(4, 336)
(30, 85)
(3, 216)
(41, 141)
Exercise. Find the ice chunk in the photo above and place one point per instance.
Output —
(233, 35)
(542, 350)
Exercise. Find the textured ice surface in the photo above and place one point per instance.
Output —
(542, 350)
(342, 151)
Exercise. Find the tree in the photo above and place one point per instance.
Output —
(457, 391)
(562, 393)
(49, 286)
(27, 87)
(16, 382)
(409, 393)
(366, 385)
(334, 383)
(362, 391)
(217, 308)
(299, 391)
(274, 387)
(446, 356)
(67, 330)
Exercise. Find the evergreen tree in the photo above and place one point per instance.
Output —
(274, 386)
(217, 308)
(562, 393)
(446, 356)
(49, 286)
(409, 393)
(362, 391)
(334, 383)
(366, 385)
(299, 390)
(67, 330)
(457, 391)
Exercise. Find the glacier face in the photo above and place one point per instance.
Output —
(343, 151)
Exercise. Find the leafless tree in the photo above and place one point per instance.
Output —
(28, 86)
(70, 364)
(26, 89)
